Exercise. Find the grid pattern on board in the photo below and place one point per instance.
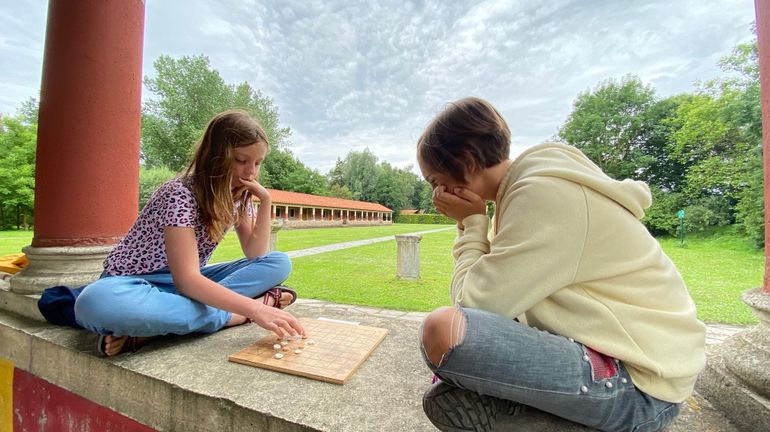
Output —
(338, 350)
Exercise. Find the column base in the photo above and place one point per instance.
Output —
(737, 377)
(52, 266)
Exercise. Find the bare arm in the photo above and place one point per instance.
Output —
(255, 238)
(182, 252)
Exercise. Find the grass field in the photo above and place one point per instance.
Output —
(289, 240)
(717, 268)
(12, 241)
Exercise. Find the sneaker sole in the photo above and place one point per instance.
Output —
(454, 410)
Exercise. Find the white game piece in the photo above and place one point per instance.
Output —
(278, 355)
(297, 351)
(284, 343)
(310, 342)
(277, 346)
(297, 337)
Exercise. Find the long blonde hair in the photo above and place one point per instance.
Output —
(211, 169)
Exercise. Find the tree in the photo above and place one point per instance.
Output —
(611, 126)
(281, 170)
(358, 172)
(395, 187)
(18, 140)
(338, 191)
(149, 180)
(188, 93)
(713, 146)
(423, 197)
(663, 170)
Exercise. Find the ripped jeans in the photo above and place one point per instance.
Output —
(506, 359)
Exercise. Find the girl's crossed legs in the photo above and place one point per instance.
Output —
(493, 356)
(150, 305)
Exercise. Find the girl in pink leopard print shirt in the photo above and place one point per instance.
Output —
(157, 281)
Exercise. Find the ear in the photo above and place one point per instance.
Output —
(471, 168)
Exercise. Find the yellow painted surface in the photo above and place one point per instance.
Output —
(6, 396)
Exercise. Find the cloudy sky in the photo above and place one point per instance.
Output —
(348, 74)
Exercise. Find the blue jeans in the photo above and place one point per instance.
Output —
(150, 305)
(506, 359)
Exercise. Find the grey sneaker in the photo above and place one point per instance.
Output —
(452, 409)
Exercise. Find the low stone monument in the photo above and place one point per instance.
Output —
(275, 226)
(408, 256)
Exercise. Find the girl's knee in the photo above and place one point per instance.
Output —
(91, 302)
(281, 262)
(442, 330)
(102, 301)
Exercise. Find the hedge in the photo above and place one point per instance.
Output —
(436, 219)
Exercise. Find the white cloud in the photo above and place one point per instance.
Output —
(347, 75)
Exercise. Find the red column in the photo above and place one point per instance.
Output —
(763, 38)
(87, 173)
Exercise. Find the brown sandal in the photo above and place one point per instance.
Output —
(132, 344)
(276, 292)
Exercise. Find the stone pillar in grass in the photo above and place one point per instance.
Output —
(408, 256)
(87, 168)
(737, 375)
(275, 226)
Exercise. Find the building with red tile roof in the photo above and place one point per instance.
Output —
(299, 210)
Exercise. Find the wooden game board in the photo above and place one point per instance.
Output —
(338, 351)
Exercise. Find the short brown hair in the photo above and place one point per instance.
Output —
(468, 135)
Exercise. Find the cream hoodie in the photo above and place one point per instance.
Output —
(569, 254)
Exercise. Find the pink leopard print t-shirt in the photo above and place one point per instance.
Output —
(143, 250)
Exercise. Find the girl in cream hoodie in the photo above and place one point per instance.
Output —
(567, 304)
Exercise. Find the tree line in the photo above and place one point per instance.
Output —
(698, 151)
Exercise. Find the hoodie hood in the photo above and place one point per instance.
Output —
(569, 163)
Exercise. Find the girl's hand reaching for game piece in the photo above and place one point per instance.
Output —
(458, 204)
(277, 321)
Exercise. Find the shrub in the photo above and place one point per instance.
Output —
(750, 210)
(660, 218)
(149, 180)
(707, 212)
(437, 219)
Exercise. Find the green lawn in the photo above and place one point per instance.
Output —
(717, 268)
(289, 240)
(12, 241)
(328, 276)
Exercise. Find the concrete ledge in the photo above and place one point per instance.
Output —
(736, 398)
(186, 383)
(21, 304)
